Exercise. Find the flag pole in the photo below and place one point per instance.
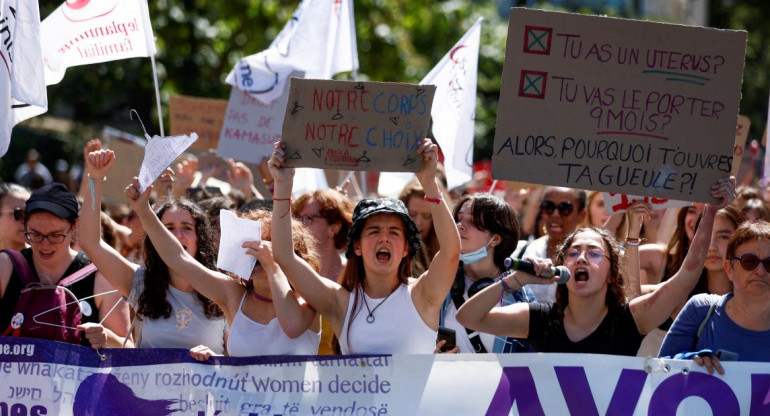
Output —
(157, 94)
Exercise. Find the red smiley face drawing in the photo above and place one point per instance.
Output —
(82, 10)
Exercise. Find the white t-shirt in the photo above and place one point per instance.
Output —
(187, 326)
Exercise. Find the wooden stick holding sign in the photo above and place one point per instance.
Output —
(159, 153)
(617, 105)
(363, 126)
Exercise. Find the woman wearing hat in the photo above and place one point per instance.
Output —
(376, 308)
(50, 220)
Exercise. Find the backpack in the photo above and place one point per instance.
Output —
(46, 311)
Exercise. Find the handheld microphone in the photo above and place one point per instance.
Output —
(527, 267)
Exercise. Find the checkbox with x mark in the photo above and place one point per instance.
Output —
(532, 84)
(537, 40)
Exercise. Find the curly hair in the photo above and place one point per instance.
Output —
(152, 301)
(616, 294)
(334, 207)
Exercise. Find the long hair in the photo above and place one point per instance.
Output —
(616, 294)
(677, 246)
(430, 245)
(354, 274)
(152, 301)
(489, 213)
(334, 207)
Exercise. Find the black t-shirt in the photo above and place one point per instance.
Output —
(82, 288)
(616, 335)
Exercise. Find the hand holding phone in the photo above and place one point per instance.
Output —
(448, 335)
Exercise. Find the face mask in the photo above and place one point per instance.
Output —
(474, 256)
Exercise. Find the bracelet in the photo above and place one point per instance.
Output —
(92, 179)
(634, 242)
(507, 288)
(288, 209)
(433, 200)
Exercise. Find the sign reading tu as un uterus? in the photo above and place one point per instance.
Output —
(618, 105)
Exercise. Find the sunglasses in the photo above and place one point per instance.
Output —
(750, 262)
(565, 208)
(18, 214)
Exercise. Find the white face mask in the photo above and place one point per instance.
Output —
(474, 256)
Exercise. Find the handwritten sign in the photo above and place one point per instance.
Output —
(159, 153)
(250, 127)
(618, 203)
(741, 134)
(200, 115)
(128, 158)
(369, 126)
(618, 105)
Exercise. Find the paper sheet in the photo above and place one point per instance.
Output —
(234, 232)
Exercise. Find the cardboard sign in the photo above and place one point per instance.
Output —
(129, 152)
(618, 203)
(741, 134)
(250, 127)
(371, 126)
(618, 105)
(197, 115)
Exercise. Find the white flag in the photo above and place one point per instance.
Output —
(454, 107)
(92, 31)
(22, 89)
(319, 40)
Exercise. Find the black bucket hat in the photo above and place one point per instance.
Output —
(372, 206)
(53, 198)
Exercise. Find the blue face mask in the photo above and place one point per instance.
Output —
(474, 256)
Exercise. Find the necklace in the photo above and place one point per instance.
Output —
(260, 297)
(370, 317)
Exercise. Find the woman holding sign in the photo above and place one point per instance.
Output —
(591, 313)
(169, 312)
(376, 308)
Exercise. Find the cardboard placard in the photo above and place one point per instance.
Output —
(370, 126)
(741, 134)
(250, 127)
(129, 153)
(618, 105)
(203, 116)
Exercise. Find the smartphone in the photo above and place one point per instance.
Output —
(725, 355)
(449, 336)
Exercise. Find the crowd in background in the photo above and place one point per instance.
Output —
(347, 274)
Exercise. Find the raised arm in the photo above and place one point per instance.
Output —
(652, 309)
(637, 213)
(479, 312)
(294, 314)
(220, 288)
(325, 296)
(114, 267)
(432, 287)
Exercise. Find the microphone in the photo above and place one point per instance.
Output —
(527, 267)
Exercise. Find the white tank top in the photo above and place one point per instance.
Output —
(248, 338)
(398, 327)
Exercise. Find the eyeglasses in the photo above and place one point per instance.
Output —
(18, 213)
(308, 219)
(593, 255)
(750, 262)
(52, 238)
(565, 208)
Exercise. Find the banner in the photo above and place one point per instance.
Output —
(88, 31)
(618, 105)
(199, 115)
(454, 108)
(22, 89)
(319, 40)
(39, 377)
(372, 126)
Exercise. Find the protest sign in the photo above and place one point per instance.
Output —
(371, 126)
(51, 378)
(618, 105)
(250, 127)
(619, 203)
(741, 134)
(129, 151)
(159, 153)
(200, 115)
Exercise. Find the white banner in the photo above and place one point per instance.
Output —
(86, 32)
(45, 378)
(319, 40)
(454, 107)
